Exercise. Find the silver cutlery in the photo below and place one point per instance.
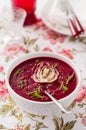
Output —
(73, 22)
(57, 103)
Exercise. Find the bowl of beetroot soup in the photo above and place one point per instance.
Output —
(29, 76)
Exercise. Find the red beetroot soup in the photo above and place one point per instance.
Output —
(22, 82)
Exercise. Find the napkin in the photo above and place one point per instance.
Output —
(52, 9)
(79, 7)
(49, 7)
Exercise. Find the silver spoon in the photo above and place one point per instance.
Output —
(57, 103)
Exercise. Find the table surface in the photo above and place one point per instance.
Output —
(39, 38)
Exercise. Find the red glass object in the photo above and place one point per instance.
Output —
(29, 6)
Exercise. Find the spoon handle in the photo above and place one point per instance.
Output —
(57, 103)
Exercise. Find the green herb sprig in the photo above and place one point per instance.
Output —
(21, 83)
(37, 61)
(64, 87)
(17, 72)
(35, 94)
(70, 77)
(55, 65)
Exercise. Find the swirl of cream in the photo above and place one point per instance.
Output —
(45, 73)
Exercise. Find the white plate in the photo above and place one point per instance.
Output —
(59, 28)
(58, 21)
(62, 29)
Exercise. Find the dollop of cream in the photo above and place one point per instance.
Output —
(45, 73)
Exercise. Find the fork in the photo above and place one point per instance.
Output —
(75, 18)
(73, 22)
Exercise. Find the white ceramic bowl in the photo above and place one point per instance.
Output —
(42, 107)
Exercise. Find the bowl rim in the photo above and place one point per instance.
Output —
(25, 57)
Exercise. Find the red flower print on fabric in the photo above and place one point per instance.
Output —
(54, 37)
(82, 94)
(3, 91)
(84, 120)
(1, 68)
(47, 49)
(18, 127)
(67, 53)
(13, 49)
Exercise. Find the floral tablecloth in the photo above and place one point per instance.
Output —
(39, 38)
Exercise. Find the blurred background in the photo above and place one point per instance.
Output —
(5, 3)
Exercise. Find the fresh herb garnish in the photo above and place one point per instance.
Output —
(39, 89)
(18, 72)
(21, 83)
(37, 61)
(69, 78)
(64, 87)
(35, 94)
(55, 65)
